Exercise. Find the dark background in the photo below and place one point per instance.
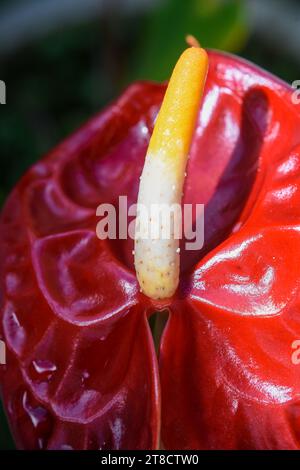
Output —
(63, 60)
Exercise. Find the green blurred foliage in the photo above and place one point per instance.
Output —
(53, 86)
(219, 24)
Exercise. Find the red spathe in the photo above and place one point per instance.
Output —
(81, 368)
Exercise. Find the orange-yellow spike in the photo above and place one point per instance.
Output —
(175, 124)
(157, 259)
(192, 41)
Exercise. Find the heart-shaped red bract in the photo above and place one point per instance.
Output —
(81, 367)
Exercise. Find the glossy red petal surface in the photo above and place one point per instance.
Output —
(81, 369)
(228, 378)
(228, 384)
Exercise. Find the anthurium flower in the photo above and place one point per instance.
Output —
(82, 372)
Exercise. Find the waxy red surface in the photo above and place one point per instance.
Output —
(81, 370)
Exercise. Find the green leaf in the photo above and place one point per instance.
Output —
(216, 24)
